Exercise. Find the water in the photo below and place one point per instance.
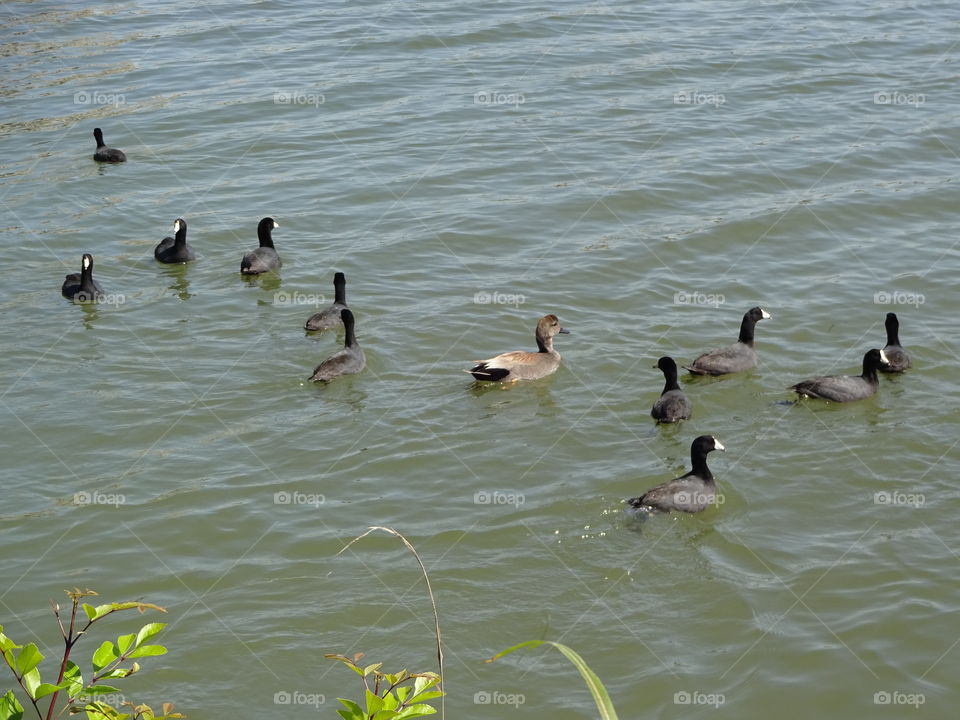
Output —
(647, 172)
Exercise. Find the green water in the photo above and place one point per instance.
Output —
(645, 171)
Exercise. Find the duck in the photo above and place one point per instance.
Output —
(521, 364)
(693, 492)
(673, 404)
(897, 358)
(330, 317)
(265, 257)
(348, 361)
(175, 249)
(845, 388)
(104, 153)
(733, 358)
(81, 287)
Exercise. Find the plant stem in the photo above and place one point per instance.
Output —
(24, 687)
(68, 641)
(433, 602)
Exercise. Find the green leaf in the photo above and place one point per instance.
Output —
(353, 711)
(424, 696)
(403, 692)
(125, 642)
(372, 668)
(44, 689)
(28, 658)
(147, 651)
(95, 613)
(6, 643)
(390, 702)
(10, 707)
(31, 681)
(374, 702)
(72, 679)
(148, 631)
(98, 690)
(385, 715)
(104, 655)
(103, 711)
(600, 695)
(424, 681)
(7, 646)
(416, 711)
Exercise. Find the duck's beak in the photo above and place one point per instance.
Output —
(563, 331)
(717, 445)
(764, 315)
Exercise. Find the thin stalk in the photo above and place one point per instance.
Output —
(68, 642)
(433, 603)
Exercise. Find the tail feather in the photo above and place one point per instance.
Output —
(489, 374)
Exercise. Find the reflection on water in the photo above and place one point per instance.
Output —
(179, 273)
(268, 282)
(91, 312)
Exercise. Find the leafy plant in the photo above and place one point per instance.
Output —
(600, 695)
(389, 698)
(108, 664)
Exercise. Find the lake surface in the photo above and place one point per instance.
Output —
(647, 172)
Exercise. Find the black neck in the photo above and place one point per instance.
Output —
(350, 339)
(893, 333)
(340, 293)
(870, 373)
(746, 330)
(698, 459)
(266, 239)
(544, 346)
(98, 136)
(181, 237)
(86, 279)
(670, 375)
